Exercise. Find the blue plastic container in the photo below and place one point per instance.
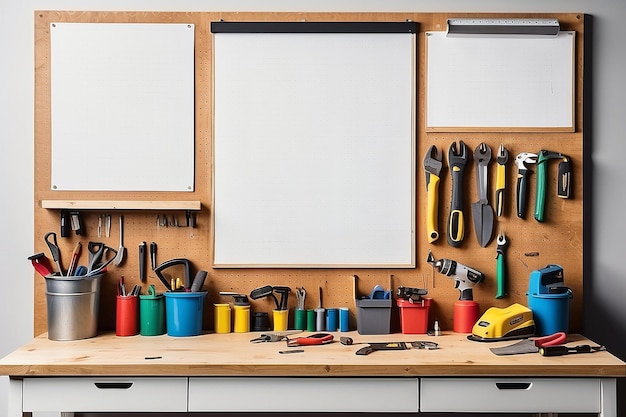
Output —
(550, 312)
(183, 311)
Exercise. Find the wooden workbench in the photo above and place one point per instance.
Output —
(210, 372)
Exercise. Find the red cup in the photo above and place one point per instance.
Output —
(126, 315)
(466, 313)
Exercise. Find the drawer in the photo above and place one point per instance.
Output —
(303, 394)
(105, 394)
(530, 395)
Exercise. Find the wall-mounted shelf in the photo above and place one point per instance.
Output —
(120, 205)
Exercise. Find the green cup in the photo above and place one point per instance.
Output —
(310, 320)
(151, 313)
(299, 322)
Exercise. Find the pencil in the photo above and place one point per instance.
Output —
(75, 256)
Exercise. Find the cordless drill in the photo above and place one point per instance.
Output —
(466, 310)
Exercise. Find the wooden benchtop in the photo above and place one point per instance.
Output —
(233, 355)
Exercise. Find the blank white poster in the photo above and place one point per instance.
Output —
(314, 149)
(122, 106)
(497, 82)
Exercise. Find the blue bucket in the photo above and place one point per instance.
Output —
(550, 312)
(183, 311)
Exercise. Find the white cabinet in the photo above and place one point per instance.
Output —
(528, 395)
(303, 394)
(89, 394)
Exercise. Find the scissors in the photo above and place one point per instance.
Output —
(54, 250)
(97, 260)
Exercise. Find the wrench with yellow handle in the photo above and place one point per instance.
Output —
(433, 165)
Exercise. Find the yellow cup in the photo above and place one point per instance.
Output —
(281, 317)
(242, 319)
(222, 318)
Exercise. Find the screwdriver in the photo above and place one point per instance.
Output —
(567, 350)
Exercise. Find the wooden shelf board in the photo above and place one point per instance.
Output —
(120, 205)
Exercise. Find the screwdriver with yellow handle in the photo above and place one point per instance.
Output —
(433, 165)
(501, 158)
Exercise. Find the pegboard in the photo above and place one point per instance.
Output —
(532, 246)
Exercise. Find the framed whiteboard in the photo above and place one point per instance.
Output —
(122, 97)
(511, 83)
(314, 146)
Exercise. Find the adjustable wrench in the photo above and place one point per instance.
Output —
(456, 162)
(432, 165)
(522, 180)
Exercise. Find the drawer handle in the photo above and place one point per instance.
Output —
(113, 385)
(513, 385)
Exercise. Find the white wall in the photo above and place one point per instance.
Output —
(605, 288)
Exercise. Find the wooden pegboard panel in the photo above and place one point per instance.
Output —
(532, 245)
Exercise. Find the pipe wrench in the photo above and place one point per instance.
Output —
(563, 180)
(432, 165)
(457, 161)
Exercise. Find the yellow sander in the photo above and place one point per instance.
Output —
(496, 324)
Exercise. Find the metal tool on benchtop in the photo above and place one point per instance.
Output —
(456, 220)
(433, 165)
(482, 213)
(502, 158)
(522, 180)
(563, 180)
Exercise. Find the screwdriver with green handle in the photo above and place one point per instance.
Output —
(563, 180)
(500, 265)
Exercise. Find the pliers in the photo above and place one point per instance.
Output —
(433, 163)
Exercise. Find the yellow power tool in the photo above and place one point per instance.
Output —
(513, 322)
